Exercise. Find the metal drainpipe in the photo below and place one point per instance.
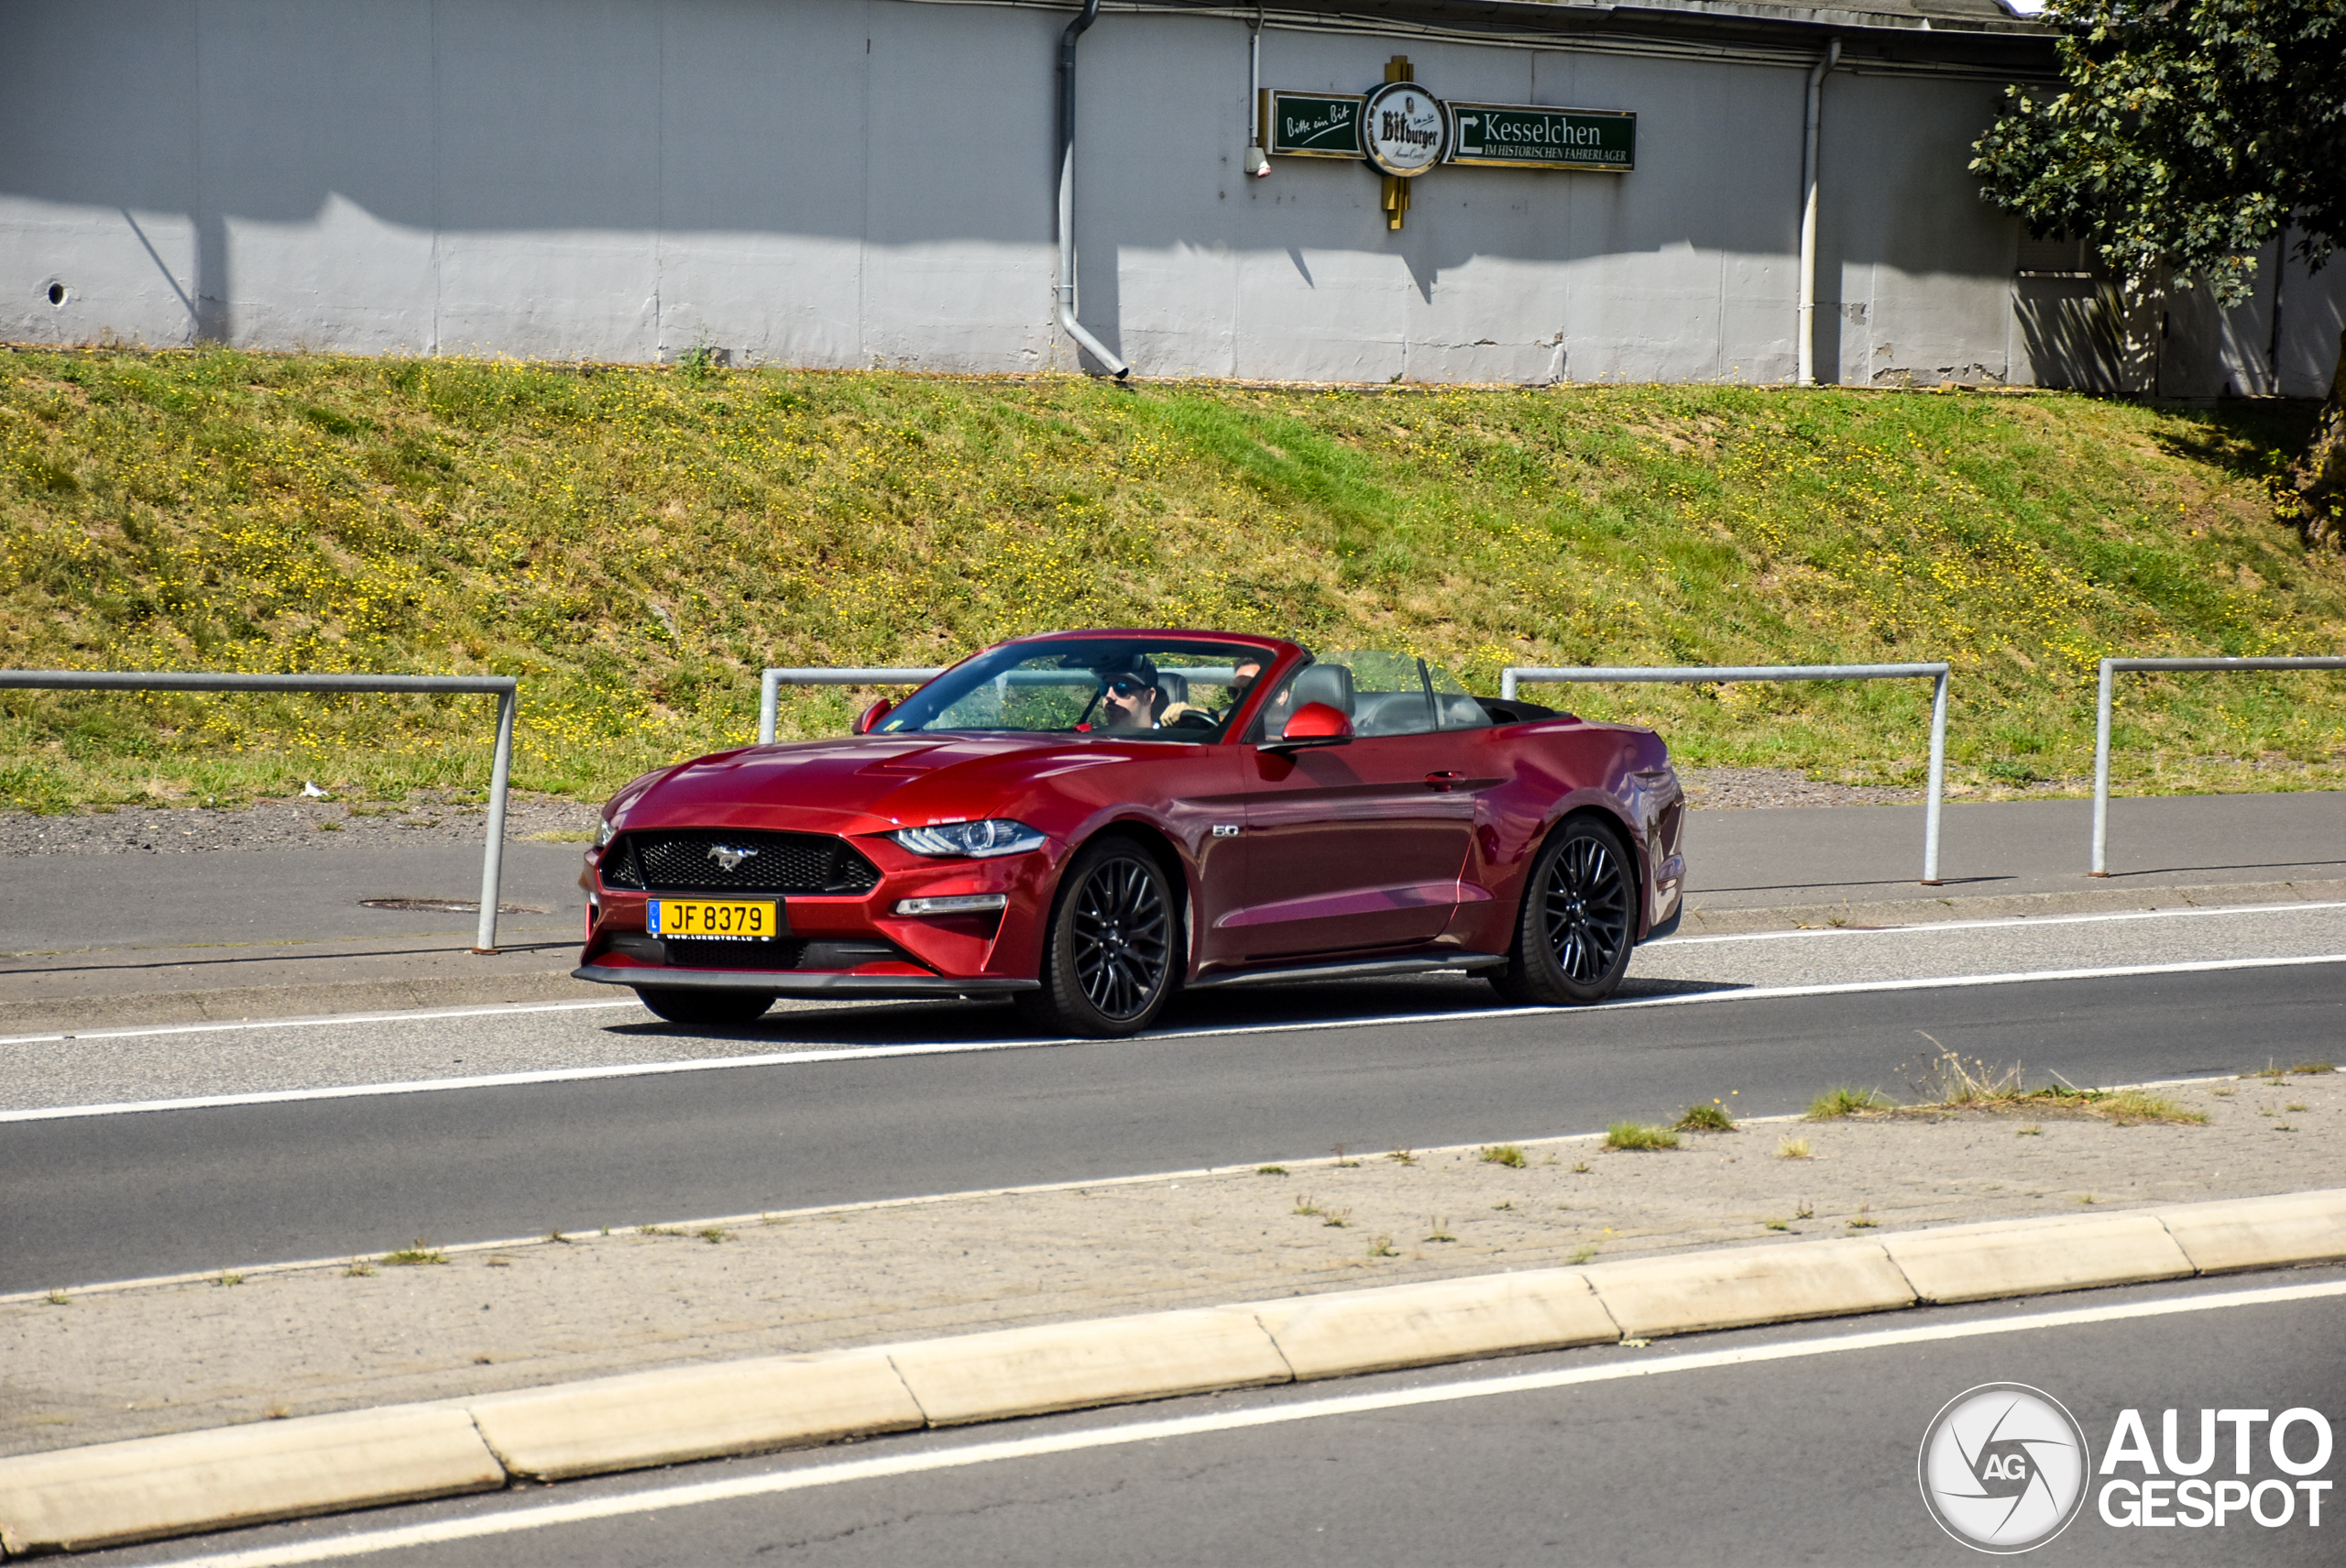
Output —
(1075, 30)
(2280, 271)
(1808, 213)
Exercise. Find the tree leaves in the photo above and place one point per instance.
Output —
(2187, 134)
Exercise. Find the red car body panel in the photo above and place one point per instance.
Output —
(1407, 848)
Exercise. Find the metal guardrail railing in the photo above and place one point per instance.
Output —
(772, 681)
(505, 687)
(1707, 674)
(2110, 668)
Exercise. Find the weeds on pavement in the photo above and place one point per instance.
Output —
(1837, 1102)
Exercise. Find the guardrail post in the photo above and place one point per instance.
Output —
(769, 705)
(774, 677)
(2112, 668)
(507, 690)
(492, 864)
(1514, 674)
(2102, 769)
(1939, 780)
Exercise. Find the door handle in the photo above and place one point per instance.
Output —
(1443, 780)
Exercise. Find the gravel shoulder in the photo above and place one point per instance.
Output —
(250, 1343)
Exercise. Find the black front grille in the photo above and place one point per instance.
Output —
(785, 953)
(697, 859)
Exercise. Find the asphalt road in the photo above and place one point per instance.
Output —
(103, 1065)
(222, 900)
(89, 1198)
(1791, 1443)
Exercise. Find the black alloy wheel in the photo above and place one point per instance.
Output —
(1108, 955)
(1578, 923)
(693, 1004)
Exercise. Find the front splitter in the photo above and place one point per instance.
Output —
(783, 983)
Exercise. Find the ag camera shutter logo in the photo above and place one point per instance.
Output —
(2003, 1468)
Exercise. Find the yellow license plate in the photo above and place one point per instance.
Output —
(739, 919)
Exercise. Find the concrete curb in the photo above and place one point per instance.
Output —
(2073, 1252)
(1742, 1285)
(114, 1494)
(80, 1498)
(694, 1412)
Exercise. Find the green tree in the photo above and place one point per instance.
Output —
(2183, 136)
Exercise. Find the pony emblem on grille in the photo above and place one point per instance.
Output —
(728, 858)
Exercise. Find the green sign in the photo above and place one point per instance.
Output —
(1517, 136)
(1311, 125)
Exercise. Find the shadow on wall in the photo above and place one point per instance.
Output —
(2085, 336)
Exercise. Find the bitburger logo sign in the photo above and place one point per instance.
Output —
(1403, 129)
(2005, 1467)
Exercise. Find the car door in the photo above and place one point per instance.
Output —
(1355, 847)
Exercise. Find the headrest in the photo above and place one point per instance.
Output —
(1331, 683)
(1175, 687)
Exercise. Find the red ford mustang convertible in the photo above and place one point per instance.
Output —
(1089, 821)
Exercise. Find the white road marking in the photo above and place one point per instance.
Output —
(695, 1494)
(960, 1047)
(1934, 982)
(2001, 923)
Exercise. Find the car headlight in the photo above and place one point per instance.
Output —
(605, 832)
(977, 840)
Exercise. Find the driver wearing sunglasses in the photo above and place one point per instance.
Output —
(1128, 693)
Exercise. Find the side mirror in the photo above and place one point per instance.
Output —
(870, 716)
(1314, 724)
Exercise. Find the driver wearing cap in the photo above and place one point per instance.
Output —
(1128, 693)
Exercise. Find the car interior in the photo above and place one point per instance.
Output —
(1397, 704)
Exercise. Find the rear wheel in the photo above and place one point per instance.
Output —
(1578, 922)
(1108, 954)
(679, 1005)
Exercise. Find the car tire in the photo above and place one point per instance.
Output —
(680, 1005)
(1578, 921)
(1109, 951)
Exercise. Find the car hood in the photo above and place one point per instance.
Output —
(864, 782)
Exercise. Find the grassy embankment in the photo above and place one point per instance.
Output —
(637, 542)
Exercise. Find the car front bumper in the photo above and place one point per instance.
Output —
(796, 982)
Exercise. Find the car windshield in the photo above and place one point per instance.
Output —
(1139, 688)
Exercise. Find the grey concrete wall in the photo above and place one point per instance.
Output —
(845, 182)
(1684, 270)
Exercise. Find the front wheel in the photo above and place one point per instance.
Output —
(1108, 952)
(679, 1004)
(1578, 922)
